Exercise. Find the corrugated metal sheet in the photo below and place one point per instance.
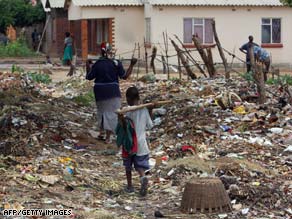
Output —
(57, 3)
(217, 2)
(106, 2)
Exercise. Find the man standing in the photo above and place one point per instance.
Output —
(245, 50)
(106, 72)
(35, 39)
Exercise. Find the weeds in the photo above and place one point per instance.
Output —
(85, 99)
(283, 79)
(16, 49)
(39, 78)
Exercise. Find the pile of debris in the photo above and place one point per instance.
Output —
(51, 158)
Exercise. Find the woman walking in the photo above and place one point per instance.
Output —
(107, 72)
(68, 49)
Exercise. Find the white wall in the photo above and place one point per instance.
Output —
(233, 27)
(129, 24)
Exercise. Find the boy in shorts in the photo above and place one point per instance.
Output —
(140, 160)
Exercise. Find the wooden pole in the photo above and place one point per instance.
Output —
(227, 72)
(146, 56)
(153, 56)
(163, 63)
(184, 61)
(205, 58)
(179, 66)
(165, 39)
(191, 57)
(258, 75)
(138, 64)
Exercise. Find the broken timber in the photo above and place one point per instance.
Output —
(184, 61)
(208, 61)
(191, 57)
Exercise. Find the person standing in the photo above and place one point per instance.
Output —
(35, 39)
(263, 56)
(245, 49)
(106, 73)
(68, 49)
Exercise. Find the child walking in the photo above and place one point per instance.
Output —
(137, 155)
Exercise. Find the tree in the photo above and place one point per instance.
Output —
(20, 13)
(287, 2)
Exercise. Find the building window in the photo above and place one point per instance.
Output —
(201, 27)
(148, 30)
(102, 30)
(271, 30)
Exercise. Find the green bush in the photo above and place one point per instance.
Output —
(39, 78)
(16, 49)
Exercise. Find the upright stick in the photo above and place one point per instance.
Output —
(258, 75)
(146, 55)
(138, 64)
(165, 39)
(179, 65)
(153, 57)
(227, 72)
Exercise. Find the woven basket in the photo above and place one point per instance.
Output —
(205, 195)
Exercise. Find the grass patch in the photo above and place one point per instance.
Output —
(85, 99)
(19, 48)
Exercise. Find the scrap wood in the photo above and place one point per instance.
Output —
(191, 57)
(133, 108)
(184, 61)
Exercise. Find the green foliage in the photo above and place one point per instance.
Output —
(39, 78)
(287, 2)
(85, 99)
(15, 49)
(16, 68)
(20, 13)
(247, 76)
(283, 79)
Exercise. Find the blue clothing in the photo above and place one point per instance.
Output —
(261, 53)
(139, 162)
(246, 47)
(106, 73)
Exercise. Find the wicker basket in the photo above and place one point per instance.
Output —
(205, 195)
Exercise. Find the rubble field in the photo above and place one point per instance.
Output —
(50, 157)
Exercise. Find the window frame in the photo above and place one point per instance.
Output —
(204, 26)
(271, 30)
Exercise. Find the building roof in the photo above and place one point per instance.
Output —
(107, 2)
(217, 2)
(54, 3)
